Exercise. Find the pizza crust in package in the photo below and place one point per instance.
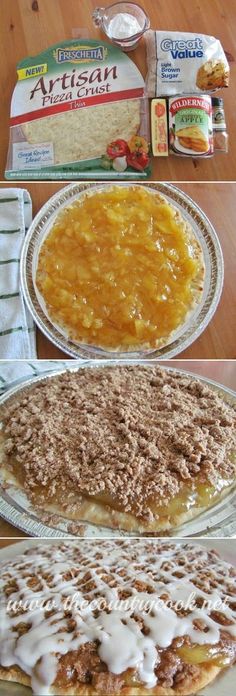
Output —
(74, 109)
(72, 132)
(181, 62)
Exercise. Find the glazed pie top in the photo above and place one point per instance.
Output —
(137, 447)
(120, 269)
(174, 623)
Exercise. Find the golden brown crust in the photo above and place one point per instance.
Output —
(193, 139)
(207, 674)
(212, 75)
(93, 512)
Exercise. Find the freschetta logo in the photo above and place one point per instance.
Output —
(80, 54)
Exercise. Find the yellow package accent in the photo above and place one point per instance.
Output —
(32, 71)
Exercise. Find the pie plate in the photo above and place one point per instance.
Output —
(220, 520)
(197, 320)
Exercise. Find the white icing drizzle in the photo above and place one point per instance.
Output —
(86, 570)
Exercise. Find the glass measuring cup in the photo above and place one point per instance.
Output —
(109, 17)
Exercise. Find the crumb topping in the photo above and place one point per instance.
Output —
(132, 433)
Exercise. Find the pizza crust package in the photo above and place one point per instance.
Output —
(79, 109)
(183, 63)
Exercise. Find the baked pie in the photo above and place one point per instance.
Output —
(120, 269)
(117, 617)
(193, 138)
(138, 448)
(212, 75)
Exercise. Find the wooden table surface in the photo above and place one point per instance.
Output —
(223, 372)
(30, 26)
(218, 202)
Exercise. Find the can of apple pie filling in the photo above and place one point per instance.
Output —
(190, 126)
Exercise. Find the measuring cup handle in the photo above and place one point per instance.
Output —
(97, 16)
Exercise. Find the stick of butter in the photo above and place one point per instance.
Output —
(159, 128)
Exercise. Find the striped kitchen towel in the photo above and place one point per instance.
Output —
(14, 372)
(17, 330)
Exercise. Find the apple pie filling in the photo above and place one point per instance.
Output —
(138, 447)
(120, 268)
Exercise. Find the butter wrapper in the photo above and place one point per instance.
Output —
(159, 128)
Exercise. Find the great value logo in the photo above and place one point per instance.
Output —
(80, 54)
(192, 48)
